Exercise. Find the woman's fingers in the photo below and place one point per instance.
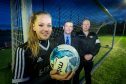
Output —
(55, 75)
(70, 75)
(53, 72)
(66, 76)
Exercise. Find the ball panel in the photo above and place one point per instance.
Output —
(61, 65)
(64, 58)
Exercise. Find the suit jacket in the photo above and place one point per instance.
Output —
(74, 40)
(74, 43)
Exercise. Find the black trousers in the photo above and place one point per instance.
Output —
(87, 65)
(45, 80)
(64, 82)
(41, 80)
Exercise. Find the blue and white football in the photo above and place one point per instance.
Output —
(64, 58)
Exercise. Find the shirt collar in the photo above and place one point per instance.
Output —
(66, 35)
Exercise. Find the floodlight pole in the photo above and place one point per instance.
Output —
(124, 28)
(43, 6)
(114, 32)
(70, 14)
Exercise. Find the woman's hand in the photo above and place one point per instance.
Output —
(55, 75)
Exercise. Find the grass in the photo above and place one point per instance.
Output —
(5, 69)
(112, 70)
(105, 40)
(5, 76)
(5, 57)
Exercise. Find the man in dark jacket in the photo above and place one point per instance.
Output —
(89, 47)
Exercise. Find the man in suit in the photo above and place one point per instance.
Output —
(69, 38)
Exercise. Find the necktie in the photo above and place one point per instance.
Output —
(67, 40)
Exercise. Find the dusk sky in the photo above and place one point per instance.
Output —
(84, 8)
(5, 18)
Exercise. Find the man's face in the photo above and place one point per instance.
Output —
(86, 25)
(68, 27)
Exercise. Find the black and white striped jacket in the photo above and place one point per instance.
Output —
(27, 68)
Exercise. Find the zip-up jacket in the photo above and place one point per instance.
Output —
(89, 44)
(27, 68)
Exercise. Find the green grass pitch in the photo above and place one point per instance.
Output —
(111, 71)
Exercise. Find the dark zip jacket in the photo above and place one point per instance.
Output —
(88, 44)
(30, 69)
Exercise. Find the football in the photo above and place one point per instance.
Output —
(64, 58)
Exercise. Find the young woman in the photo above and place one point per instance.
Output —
(31, 65)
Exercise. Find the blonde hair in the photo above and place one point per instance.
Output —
(33, 41)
